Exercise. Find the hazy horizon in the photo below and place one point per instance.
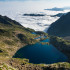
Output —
(16, 8)
(48, 3)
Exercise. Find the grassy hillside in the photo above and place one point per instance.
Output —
(14, 36)
(62, 45)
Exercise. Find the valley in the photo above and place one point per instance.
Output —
(34, 35)
(14, 38)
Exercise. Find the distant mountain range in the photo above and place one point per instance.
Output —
(33, 14)
(61, 27)
(57, 15)
(58, 9)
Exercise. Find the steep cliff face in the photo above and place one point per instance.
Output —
(61, 27)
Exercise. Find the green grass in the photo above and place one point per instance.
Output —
(6, 67)
(13, 36)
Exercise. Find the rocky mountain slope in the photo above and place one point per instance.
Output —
(14, 36)
(62, 45)
(61, 27)
(59, 32)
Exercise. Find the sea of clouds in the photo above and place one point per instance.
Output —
(16, 11)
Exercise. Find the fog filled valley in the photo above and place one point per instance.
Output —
(34, 35)
(16, 10)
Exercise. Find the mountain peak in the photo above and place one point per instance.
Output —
(61, 27)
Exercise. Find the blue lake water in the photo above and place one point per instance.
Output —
(38, 53)
(47, 40)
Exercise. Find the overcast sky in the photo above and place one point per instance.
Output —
(51, 2)
(36, 3)
(16, 8)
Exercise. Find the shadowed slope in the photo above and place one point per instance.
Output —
(61, 27)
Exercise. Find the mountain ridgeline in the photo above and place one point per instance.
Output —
(61, 27)
(59, 32)
(13, 36)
